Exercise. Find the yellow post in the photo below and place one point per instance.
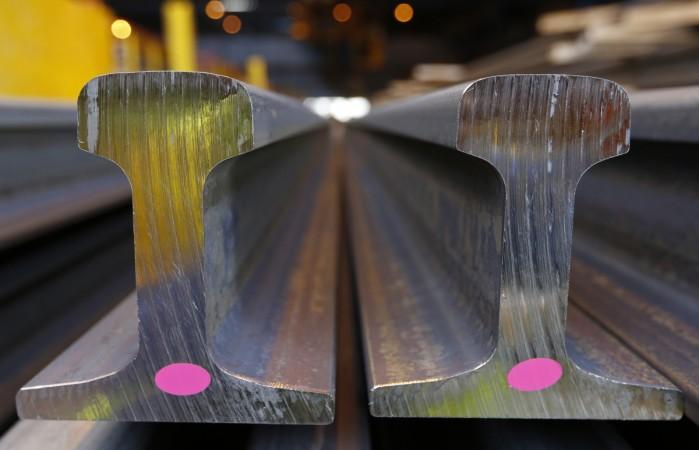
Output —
(180, 45)
(256, 71)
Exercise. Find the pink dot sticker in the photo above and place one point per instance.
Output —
(182, 379)
(534, 374)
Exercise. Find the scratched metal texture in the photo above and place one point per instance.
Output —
(635, 260)
(463, 252)
(235, 258)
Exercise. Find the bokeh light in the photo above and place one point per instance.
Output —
(403, 12)
(121, 29)
(232, 24)
(300, 30)
(214, 9)
(342, 12)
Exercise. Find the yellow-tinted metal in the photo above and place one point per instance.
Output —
(157, 139)
(180, 45)
(270, 221)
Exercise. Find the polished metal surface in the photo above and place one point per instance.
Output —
(235, 224)
(463, 262)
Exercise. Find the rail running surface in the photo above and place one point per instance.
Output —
(235, 225)
(463, 263)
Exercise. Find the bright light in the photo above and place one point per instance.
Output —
(232, 24)
(403, 12)
(300, 30)
(339, 108)
(342, 12)
(214, 9)
(121, 29)
(240, 5)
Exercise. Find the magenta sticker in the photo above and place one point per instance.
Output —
(182, 379)
(534, 374)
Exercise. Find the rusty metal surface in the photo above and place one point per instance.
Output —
(235, 260)
(463, 270)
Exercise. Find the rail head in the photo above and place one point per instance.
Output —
(244, 117)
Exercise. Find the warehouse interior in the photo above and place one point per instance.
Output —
(325, 252)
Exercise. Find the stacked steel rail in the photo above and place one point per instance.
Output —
(65, 250)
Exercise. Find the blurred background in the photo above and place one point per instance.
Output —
(66, 245)
(358, 48)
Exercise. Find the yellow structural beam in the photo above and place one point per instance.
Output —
(51, 48)
(180, 43)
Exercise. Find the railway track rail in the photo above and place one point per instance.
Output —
(422, 283)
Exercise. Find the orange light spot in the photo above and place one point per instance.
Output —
(403, 12)
(214, 9)
(342, 12)
(232, 24)
(300, 30)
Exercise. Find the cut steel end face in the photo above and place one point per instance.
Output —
(235, 225)
(463, 263)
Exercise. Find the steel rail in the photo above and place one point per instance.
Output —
(31, 115)
(90, 264)
(46, 185)
(349, 431)
(28, 214)
(43, 182)
(235, 224)
(668, 115)
(463, 262)
(53, 435)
